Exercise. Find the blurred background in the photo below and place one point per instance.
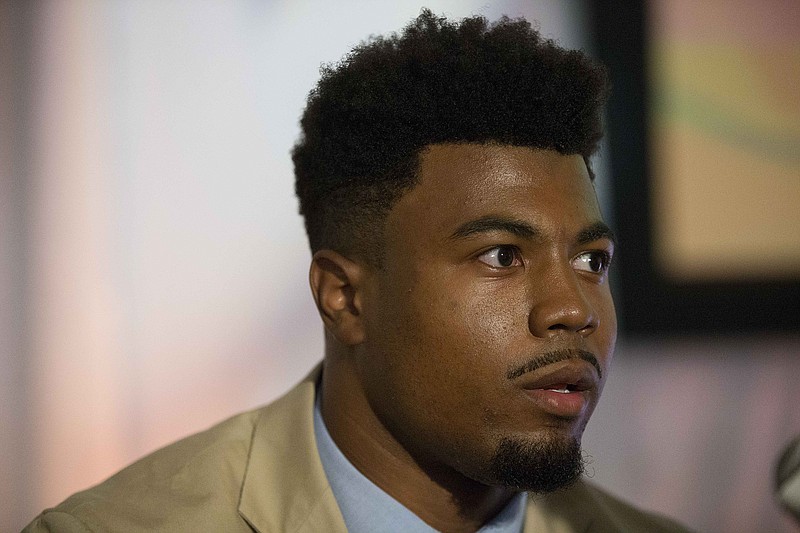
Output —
(153, 265)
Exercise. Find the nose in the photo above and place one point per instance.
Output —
(561, 306)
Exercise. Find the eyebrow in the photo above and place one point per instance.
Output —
(494, 223)
(593, 232)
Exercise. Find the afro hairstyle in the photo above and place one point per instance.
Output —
(437, 81)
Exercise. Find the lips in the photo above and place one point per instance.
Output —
(564, 389)
(575, 374)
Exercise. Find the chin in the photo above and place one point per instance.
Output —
(540, 464)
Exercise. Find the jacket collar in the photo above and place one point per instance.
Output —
(285, 488)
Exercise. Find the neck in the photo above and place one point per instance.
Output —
(442, 497)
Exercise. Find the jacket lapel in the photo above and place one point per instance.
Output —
(285, 488)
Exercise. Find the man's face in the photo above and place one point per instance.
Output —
(492, 303)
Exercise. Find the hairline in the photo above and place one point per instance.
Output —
(373, 253)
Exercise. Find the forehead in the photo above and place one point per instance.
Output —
(459, 182)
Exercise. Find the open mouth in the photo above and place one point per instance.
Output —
(563, 389)
(569, 376)
(566, 388)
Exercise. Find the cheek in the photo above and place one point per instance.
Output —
(448, 336)
(474, 330)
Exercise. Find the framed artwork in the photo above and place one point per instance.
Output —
(704, 134)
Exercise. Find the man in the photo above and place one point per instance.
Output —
(460, 266)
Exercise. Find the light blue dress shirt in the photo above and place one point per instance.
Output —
(366, 508)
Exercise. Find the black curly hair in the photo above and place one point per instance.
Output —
(438, 81)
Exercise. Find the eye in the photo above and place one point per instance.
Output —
(501, 257)
(596, 262)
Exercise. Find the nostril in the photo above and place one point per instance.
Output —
(561, 321)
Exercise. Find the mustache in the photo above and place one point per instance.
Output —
(555, 356)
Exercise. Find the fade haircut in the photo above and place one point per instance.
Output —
(371, 115)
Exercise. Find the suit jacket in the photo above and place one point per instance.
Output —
(260, 471)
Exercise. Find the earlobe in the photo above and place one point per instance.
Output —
(335, 284)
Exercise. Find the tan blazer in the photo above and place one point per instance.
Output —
(260, 471)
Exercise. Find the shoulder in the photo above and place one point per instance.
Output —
(587, 507)
(193, 482)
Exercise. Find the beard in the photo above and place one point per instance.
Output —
(537, 465)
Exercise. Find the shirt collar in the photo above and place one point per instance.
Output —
(367, 508)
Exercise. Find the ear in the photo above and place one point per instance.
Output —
(336, 286)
